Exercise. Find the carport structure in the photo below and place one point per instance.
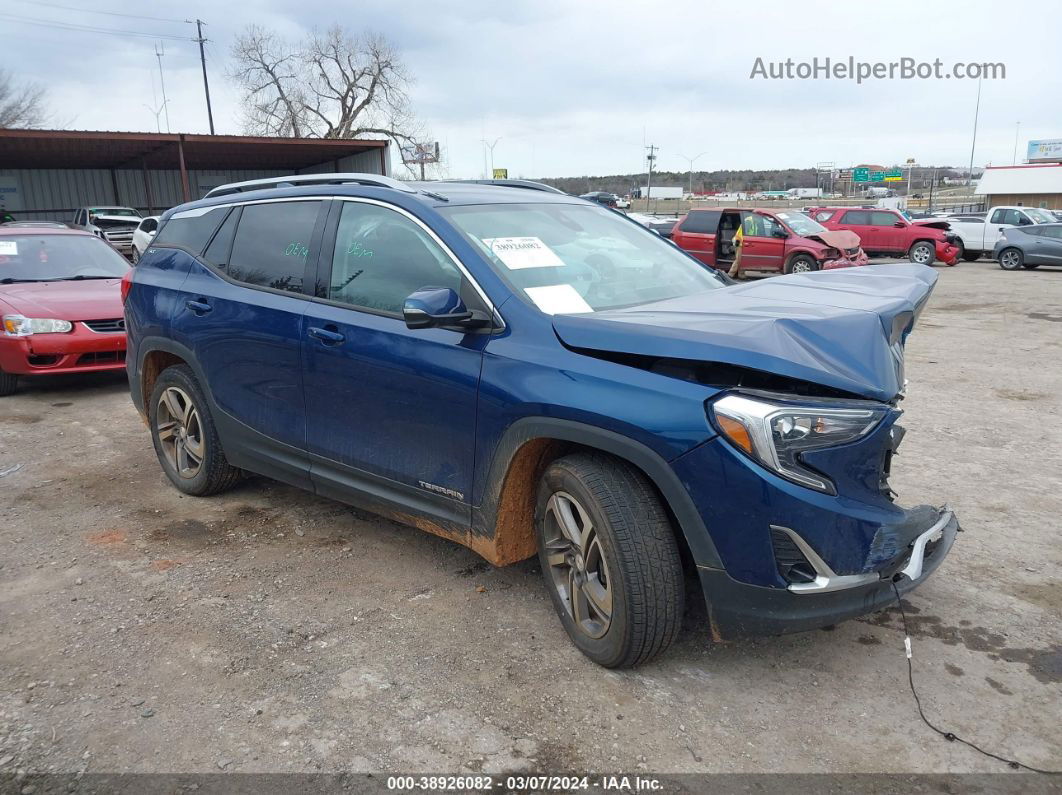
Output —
(47, 174)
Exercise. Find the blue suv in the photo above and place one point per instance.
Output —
(528, 373)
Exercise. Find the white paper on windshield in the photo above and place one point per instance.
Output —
(9, 248)
(522, 252)
(558, 299)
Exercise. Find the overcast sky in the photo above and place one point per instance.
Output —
(575, 87)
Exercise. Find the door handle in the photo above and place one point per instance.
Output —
(199, 307)
(329, 336)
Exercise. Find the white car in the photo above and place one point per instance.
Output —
(622, 203)
(142, 237)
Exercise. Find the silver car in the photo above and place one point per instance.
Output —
(113, 224)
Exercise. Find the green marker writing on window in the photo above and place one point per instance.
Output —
(356, 249)
(296, 249)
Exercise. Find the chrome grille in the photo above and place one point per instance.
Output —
(115, 326)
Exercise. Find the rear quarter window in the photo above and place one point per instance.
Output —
(191, 229)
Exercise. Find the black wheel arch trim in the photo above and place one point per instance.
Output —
(677, 499)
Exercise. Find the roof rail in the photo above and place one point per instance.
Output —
(374, 180)
(511, 183)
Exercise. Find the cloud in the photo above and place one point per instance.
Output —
(576, 88)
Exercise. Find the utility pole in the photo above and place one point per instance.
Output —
(692, 160)
(973, 143)
(490, 145)
(649, 186)
(162, 80)
(202, 59)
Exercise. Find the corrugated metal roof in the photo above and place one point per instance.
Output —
(107, 149)
(1046, 178)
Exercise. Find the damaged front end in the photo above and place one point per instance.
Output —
(843, 250)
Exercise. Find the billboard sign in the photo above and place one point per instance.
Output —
(1048, 150)
(501, 173)
(413, 154)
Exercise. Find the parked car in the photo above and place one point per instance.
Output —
(61, 304)
(661, 224)
(35, 225)
(623, 202)
(601, 197)
(1057, 214)
(979, 235)
(889, 233)
(113, 224)
(142, 237)
(526, 373)
(774, 241)
(1029, 247)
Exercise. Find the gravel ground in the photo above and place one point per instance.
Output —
(270, 630)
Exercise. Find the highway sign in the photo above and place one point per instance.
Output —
(860, 175)
(877, 176)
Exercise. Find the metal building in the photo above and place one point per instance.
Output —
(48, 174)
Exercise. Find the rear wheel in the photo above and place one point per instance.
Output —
(1010, 259)
(610, 560)
(922, 253)
(801, 263)
(186, 441)
(8, 383)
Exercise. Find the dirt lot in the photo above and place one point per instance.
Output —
(269, 630)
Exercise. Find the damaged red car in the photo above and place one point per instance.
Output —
(60, 302)
(784, 241)
(889, 233)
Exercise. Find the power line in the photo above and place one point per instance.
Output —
(91, 29)
(97, 11)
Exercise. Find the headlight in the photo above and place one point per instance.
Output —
(831, 253)
(20, 326)
(777, 433)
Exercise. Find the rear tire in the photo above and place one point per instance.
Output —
(801, 263)
(604, 537)
(1011, 259)
(186, 441)
(922, 253)
(8, 384)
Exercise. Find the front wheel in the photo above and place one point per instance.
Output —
(922, 253)
(186, 441)
(1010, 259)
(610, 560)
(8, 383)
(135, 255)
(801, 263)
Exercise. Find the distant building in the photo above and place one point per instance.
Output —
(1037, 185)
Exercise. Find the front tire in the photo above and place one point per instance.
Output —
(610, 559)
(135, 256)
(801, 263)
(186, 441)
(1011, 259)
(8, 384)
(922, 253)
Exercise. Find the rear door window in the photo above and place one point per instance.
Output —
(701, 222)
(190, 229)
(272, 244)
(857, 218)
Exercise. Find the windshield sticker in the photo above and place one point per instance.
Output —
(9, 248)
(517, 253)
(558, 299)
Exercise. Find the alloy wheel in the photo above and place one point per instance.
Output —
(180, 432)
(1009, 259)
(920, 255)
(801, 266)
(577, 564)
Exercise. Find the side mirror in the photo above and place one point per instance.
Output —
(779, 232)
(439, 307)
(899, 224)
(1023, 221)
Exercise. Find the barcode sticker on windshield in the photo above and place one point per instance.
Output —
(558, 299)
(9, 248)
(522, 252)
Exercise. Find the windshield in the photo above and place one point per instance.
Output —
(32, 258)
(801, 224)
(568, 258)
(1039, 216)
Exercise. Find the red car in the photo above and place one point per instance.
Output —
(783, 240)
(61, 305)
(889, 233)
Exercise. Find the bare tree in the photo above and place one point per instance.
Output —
(21, 106)
(334, 85)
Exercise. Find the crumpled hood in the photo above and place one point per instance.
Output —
(834, 328)
(932, 223)
(842, 239)
(92, 299)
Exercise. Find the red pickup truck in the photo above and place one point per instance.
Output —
(887, 232)
(782, 240)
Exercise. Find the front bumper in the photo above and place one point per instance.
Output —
(738, 609)
(946, 252)
(77, 351)
(851, 261)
